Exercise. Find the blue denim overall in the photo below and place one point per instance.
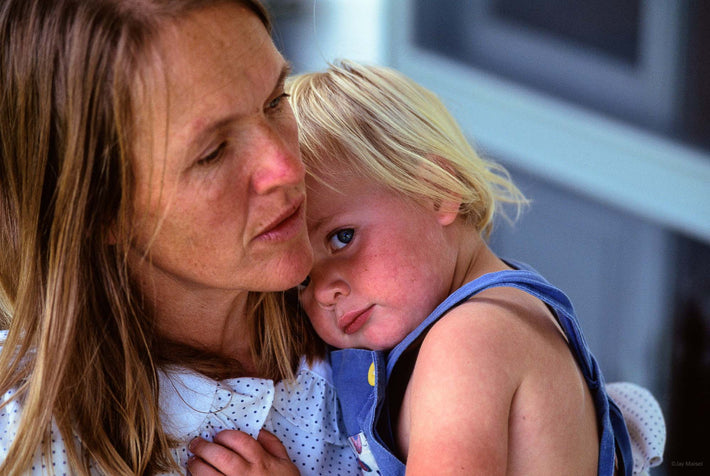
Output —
(362, 376)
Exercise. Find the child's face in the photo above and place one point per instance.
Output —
(382, 263)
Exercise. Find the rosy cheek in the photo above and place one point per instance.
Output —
(322, 321)
(319, 321)
(307, 304)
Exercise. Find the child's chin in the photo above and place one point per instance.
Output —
(381, 346)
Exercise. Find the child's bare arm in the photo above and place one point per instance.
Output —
(495, 390)
(235, 452)
(457, 403)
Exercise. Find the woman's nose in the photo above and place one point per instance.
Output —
(279, 159)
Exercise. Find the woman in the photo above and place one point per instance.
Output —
(151, 201)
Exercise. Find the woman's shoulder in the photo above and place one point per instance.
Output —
(54, 454)
(10, 409)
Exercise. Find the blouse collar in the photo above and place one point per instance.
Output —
(195, 405)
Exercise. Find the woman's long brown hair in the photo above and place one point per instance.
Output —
(80, 350)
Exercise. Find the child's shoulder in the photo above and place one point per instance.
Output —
(484, 368)
(470, 368)
(500, 328)
(501, 313)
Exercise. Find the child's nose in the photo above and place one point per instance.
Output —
(328, 288)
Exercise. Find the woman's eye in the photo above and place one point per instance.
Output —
(305, 283)
(276, 102)
(341, 238)
(213, 156)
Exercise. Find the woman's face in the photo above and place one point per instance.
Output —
(219, 182)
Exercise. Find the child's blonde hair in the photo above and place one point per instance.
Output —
(376, 123)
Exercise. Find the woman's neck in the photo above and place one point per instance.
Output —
(217, 325)
(210, 320)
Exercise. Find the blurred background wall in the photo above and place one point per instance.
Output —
(601, 111)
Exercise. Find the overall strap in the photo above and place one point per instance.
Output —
(528, 281)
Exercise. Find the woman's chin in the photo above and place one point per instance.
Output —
(291, 272)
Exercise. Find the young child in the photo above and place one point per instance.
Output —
(497, 380)
(453, 361)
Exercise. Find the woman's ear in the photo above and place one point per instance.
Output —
(111, 237)
(109, 233)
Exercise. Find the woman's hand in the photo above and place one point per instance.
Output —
(235, 452)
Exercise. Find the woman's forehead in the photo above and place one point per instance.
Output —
(218, 50)
(215, 66)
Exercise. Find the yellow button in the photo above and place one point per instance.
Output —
(371, 375)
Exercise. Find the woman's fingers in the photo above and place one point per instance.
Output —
(272, 444)
(235, 452)
(248, 448)
(214, 458)
(198, 467)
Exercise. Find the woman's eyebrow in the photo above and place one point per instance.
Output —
(200, 133)
(286, 70)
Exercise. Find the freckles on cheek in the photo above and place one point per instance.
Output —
(148, 210)
(220, 192)
(327, 330)
(382, 266)
(203, 199)
(317, 318)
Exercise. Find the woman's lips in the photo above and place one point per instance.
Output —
(353, 321)
(289, 224)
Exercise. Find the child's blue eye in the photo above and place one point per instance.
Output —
(341, 238)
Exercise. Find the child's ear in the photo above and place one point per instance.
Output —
(447, 211)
